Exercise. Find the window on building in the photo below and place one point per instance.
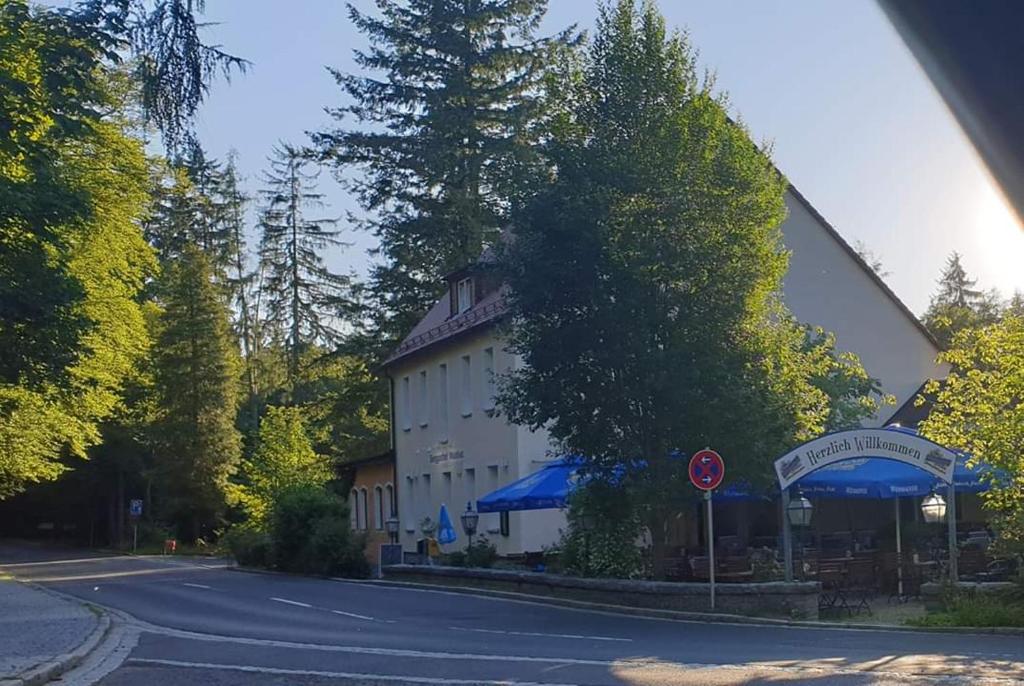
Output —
(488, 378)
(446, 495)
(409, 510)
(467, 386)
(404, 402)
(442, 401)
(464, 294)
(469, 481)
(353, 509)
(424, 406)
(425, 508)
(389, 500)
(378, 507)
(363, 510)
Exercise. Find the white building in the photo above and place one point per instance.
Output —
(450, 448)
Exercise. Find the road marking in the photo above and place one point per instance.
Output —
(352, 614)
(438, 681)
(203, 586)
(542, 635)
(291, 602)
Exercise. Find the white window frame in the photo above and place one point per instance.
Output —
(378, 507)
(405, 403)
(487, 372)
(442, 401)
(363, 510)
(466, 384)
(463, 295)
(422, 401)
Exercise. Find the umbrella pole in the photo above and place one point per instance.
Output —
(899, 552)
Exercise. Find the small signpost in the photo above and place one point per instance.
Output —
(707, 469)
(135, 512)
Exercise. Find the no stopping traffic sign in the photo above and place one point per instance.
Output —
(707, 469)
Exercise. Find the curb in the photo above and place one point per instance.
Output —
(672, 615)
(51, 669)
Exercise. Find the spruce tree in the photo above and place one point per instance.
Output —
(440, 135)
(302, 298)
(958, 304)
(196, 381)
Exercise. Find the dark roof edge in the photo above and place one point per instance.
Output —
(386, 456)
(865, 266)
(430, 345)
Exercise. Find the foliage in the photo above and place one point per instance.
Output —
(440, 133)
(283, 459)
(958, 304)
(196, 372)
(249, 546)
(482, 553)
(986, 609)
(302, 296)
(610, 548)
(978, 408)
(854, 396)
(72, 261)
(644, 279)
(346, 406)
(310, 531)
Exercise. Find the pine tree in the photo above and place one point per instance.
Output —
(441, 132)
(958, 304)
(303, 299)
(196, 380)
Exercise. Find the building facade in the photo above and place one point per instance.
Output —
(451, 446)
(372, 500)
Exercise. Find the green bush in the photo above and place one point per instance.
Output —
(482, 553)
(978, 610)
(456, 558)
(310, 531)
(249, 547)
(609, 548)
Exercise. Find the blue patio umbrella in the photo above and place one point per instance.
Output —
(545, 489)
(445, 530)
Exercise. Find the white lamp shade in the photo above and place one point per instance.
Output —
(933, 507)
(800, 511)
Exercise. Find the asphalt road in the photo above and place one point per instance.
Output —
(184, 621)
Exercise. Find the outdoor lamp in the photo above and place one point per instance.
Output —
(933, 507)
(469, 521)
(799, 511)
(391, 526)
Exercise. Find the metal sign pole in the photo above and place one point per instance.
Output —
(787, 537)
(954, 551)
(711, 546)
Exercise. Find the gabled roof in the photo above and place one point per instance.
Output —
(436, 326)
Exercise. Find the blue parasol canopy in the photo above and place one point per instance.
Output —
(445, 530)
(546, 489)
(877, 477)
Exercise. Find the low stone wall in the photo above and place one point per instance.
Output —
(779, 599)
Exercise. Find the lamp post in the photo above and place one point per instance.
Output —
(470, 519)
(799, 511)
(391, 526)
(933, 508)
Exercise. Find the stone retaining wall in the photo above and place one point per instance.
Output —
(932, 593)
(798, 600)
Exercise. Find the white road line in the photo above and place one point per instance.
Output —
(352, 614)
(291, 602)
(437, 681)
(542, 635)
(203, 586)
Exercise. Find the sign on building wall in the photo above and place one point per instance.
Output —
(856, 443)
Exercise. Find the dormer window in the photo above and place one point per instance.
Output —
(464, 295)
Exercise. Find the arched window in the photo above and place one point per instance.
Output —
(363, 509)
(378, 507)
(353, 509)
(389, 500)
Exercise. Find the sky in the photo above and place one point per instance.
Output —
(852, 120)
